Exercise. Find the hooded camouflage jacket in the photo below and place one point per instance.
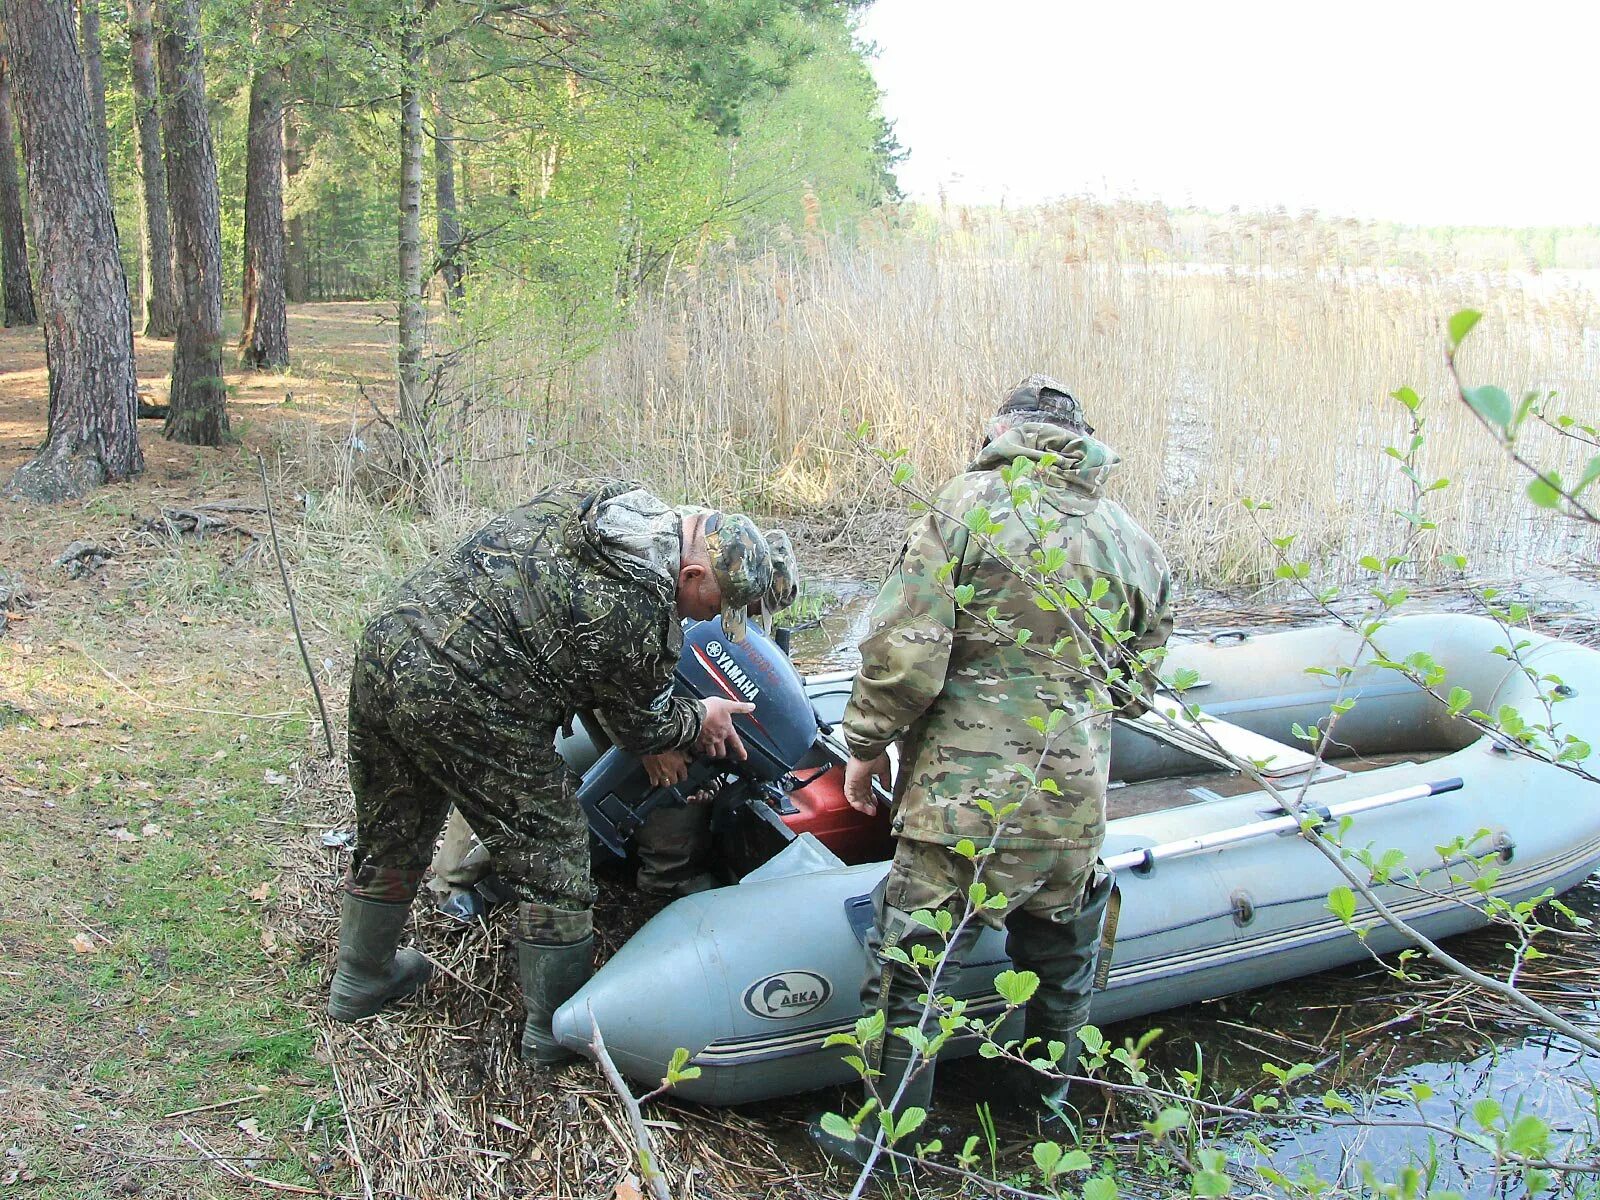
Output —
(535, 617)
(954, 683)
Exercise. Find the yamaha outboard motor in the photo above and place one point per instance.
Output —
(616, 794)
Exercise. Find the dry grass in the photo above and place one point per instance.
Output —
(1228, 358)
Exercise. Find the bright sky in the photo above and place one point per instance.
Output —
(1425, 112)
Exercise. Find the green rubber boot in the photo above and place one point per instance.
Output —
(551, 975)
(371, 971)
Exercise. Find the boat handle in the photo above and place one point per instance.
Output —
(1142, 862)
(1222, 635)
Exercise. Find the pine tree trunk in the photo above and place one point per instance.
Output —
(157, 282)
(94, 76)
(444, 200)
(18, 306)
(264, 341)
(410, 239)
(197, 410)
(88, 330)
(297, 247)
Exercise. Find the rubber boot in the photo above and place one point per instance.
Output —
(371, 971)
(1062, 955)
(896, 1059)
(551, 975)
(896, 990)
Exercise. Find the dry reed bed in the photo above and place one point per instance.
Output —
(1262, 371)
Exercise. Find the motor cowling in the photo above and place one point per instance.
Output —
(616, 793)
(780, 731)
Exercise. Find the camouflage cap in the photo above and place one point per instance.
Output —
(741, 560)
(1046, 396)
(785, 573)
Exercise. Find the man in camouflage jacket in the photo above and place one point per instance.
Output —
(569, 603)
(959, 678)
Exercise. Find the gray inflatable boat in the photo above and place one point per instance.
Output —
(1218, 894)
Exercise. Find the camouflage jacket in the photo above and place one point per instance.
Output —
(952, 681)
(533, 618)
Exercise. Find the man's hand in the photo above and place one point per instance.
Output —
(858, 776)
(666, 768)
(717, 736)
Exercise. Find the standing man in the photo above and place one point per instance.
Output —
(961, 684)
(569, 603)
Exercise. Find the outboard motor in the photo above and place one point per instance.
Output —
(616, 794)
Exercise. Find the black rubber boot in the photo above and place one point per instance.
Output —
(371, 971)
(896, 1060)
(551, 974)
(896, 990)
(1062, 955)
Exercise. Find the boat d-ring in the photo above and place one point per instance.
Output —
(1504, 846)
(1223, 635)
(1244, 908)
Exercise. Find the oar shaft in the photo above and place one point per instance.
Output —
(1220, 838)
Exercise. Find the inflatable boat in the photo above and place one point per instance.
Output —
(1218, 892)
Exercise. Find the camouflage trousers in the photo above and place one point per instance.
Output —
(414, 753)
(1045, 889)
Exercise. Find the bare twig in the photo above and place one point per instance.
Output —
(233, 1172)
(349, 1125)
(294, 616)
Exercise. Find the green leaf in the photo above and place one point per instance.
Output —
(1545, 490)
(1333, 1102)
(1342, 903)
(908, 1123)
(1101, 1187)
(837, 1126)
(1047, 1157)
(1486, 1112)
(1016, 987)
(1459, 699)
(1408, 397)
(1166, 1121)
(1491, 403)
(1461, 324)
(1529, 1136)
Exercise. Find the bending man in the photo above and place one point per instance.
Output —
(569, 603)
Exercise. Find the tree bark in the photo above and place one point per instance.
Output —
(264, 341)
(444, 199)
(18, 306)
(158, 286)
(92, 434)
(197, 411)
(297, 243)
(410, 232)
(94, 76)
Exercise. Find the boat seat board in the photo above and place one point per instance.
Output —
(1168, 722)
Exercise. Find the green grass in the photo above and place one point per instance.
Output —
(169, 999)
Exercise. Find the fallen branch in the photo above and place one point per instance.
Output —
(653, 1178)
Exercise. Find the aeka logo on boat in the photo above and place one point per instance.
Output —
(787, 994)
(733, 672)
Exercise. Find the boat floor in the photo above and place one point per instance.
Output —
(1179, 791)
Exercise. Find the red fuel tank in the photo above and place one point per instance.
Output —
(820, 809)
